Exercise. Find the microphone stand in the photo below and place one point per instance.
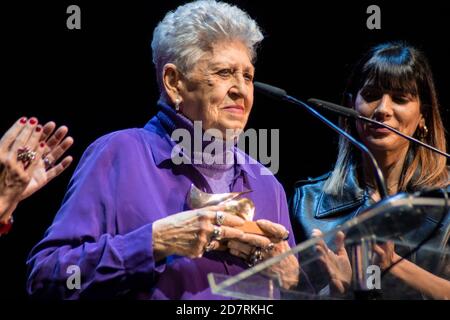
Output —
(359, 252)
(275, 92)
(362, 249)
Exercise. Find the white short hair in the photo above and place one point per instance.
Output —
(185, 34)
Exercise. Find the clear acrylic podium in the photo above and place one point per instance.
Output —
(396, 219)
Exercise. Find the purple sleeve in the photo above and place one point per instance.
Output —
(85, 232)
(284, 216)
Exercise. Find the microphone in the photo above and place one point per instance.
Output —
(350, 113)
(340, 110)
(418, 215)
(281, 94)
(270, 91)
(278, 93)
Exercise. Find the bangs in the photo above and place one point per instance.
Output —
(390, 74)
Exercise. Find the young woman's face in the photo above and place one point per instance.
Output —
(396, 109)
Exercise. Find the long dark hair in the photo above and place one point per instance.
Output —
(397, 66)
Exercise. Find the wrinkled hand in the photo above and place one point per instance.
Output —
(248, 243)
(56, 145)
(245, 247)
(287, 269)
(188, 233)
(336, 263)
(386, 254)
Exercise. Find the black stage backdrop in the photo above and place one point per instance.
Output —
(100, 79)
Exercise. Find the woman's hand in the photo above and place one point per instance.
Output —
(255, 248)
(288, 269)
(46, 170)
(17, 163)
(414, 276)
(248, 243)
(22, 168)
(191, 233)
(386, 254)
(19, 148)
(336, 263)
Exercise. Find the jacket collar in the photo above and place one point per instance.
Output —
(352, 196)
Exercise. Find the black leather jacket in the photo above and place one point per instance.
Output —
(311, 207)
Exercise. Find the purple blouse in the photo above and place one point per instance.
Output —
(124, 182)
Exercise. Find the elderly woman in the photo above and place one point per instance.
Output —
(28, 151)
(125, 224)
(392, 84)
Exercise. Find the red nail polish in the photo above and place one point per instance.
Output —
(38, 129)
(33, 121)
(23, 120)
(42, 144)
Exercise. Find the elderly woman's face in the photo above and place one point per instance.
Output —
(398, 110)
(219, 89)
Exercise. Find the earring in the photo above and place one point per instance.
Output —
(177, 104)
(424, 132)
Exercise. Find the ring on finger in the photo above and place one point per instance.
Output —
(255, 258)
(217, 233)
(48, 164)
(220, 218)
(25, 155)
(269, 247)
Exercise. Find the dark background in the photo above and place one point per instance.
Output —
(100, 79)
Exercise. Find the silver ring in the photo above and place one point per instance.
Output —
(217, 233)
(269, 247)
(25, 155)
(255, 258)
(48, 164)
(220, 218)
